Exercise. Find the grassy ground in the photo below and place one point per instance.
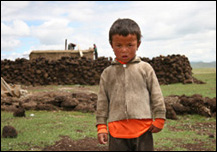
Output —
(207, 90)
(189, 133)
(44, 128)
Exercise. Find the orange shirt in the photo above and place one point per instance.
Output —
(131, 128)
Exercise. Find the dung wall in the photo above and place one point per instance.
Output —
(73, 70)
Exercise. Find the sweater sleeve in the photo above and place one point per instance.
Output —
(156, 96)
(159, 123)
(102, 103)
(102, 129)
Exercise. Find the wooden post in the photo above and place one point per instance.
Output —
(80, 51)
(65, 44)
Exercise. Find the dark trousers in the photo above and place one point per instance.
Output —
(142, 143)
(96, 56)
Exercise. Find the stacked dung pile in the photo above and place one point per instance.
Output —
(87, 102)
(75, 70)
(101, 63)
(59, 100)
(195, 104)
(40, 71)
(172, 69)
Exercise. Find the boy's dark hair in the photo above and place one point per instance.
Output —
(124, 27)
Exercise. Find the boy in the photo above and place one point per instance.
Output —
(130, 95)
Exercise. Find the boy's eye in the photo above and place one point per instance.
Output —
(130, 45)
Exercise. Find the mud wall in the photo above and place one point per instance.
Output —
(74, 70)
(58, 54)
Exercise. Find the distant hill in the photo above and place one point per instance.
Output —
(203, 64)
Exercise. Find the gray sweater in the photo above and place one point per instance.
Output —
(130, 92)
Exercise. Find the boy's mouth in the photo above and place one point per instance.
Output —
(124, 56)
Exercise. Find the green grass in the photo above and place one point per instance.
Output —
(187, 130)
(46, 127)
(206, 90)
(204, 70)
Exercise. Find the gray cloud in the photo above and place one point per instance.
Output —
(167, 27)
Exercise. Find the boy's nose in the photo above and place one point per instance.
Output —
(124, 49)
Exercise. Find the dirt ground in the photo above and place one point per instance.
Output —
(67, 144)
(90, 144)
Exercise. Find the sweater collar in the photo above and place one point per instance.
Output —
(136, 59)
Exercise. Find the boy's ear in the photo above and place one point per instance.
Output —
(111, 44)
(138, 44)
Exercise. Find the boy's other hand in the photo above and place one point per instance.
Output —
(154, 129)
(102, 138)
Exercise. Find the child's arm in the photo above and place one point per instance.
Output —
(102, 133)
(157, 99)
(157, 125)
(103, 138)
(102, 103)
(102, 112)
(102, 129)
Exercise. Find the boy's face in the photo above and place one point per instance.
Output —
(125, 47)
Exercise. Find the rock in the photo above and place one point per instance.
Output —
(170, 113)
(20, 111)
(211, 136)
(171, 99)
(69, 103)
(180, 109)
(9, 132)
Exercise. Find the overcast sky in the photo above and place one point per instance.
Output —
(187, 28)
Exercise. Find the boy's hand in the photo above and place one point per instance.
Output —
(102, 138)
(154, 129)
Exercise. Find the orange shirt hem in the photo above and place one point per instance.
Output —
(131, 128)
